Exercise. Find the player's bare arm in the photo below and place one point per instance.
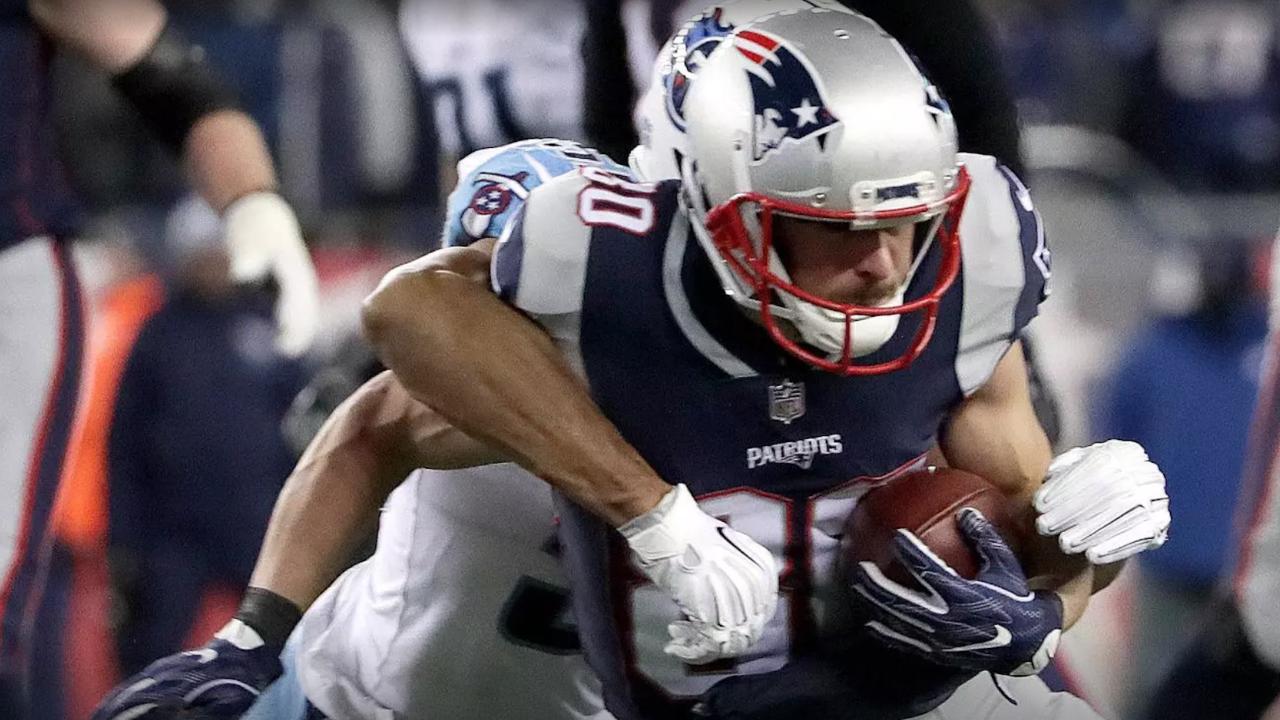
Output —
(498, 377)
(456, 346)
(328, 508)
(994, 434)
(188, 106)
(329, 504)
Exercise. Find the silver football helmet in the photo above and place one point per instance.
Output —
(819, 115)
(659, 116)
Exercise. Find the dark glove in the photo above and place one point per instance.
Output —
(991, 623)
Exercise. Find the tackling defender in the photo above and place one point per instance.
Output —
(41, 323)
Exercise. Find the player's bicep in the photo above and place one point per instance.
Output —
(408, 435)
(1006, 269)
(994, 432)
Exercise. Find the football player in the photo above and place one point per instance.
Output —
(243, 656)
(41, 335)
(812, 250)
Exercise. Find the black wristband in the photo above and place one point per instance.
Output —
(272, 616)
(172, 87)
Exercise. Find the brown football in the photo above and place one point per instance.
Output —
(925, 502)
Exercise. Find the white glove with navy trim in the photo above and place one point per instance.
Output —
(724, 582)
(1107, 501)
(263, 237)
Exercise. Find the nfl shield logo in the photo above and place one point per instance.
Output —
(786, 401)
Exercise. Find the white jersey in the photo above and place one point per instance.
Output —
(461, 613)
(505, 70)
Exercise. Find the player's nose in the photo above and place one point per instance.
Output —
(875, 261)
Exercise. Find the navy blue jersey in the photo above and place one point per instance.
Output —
(34, 196)
(780, 450)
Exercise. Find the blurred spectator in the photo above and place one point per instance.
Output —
(497, 71)
(196, 455)
(1065, 57)
(1233, 667)
(1184, 389)
(1205, 105)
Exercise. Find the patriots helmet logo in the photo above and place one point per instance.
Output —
(790, 103)
(690, 48)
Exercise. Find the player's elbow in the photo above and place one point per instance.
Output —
(404, 298)
(416, 297)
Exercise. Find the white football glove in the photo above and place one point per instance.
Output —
(262, 237)
(1107, 500)
(724, 582)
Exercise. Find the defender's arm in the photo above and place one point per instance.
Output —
(499, 378)
(330, 502)
(328, 507)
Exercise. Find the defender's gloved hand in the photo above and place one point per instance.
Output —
(724, 582)
(1107, 500)
(220, 680)
(263, 237)
(991, 623)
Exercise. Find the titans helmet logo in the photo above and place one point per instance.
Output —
(789, 99)
(689, 49)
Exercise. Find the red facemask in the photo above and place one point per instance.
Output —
(734, 243)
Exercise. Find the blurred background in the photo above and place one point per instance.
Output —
(1149, 135)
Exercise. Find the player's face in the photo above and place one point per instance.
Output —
(832, 261)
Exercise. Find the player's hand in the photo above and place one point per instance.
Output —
(991, 623)
(724, 582)
(263, 237)
(1107, 500)
(220, 680)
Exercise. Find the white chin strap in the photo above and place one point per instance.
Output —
(823, 329)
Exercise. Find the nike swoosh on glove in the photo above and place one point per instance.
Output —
(220, 680)
(991, 623)
(1107, 501)
(725, 583)
(263, 237)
